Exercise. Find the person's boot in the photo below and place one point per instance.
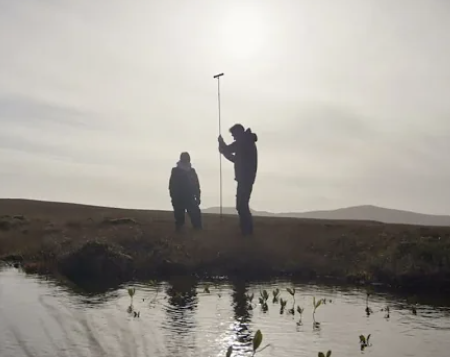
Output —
(196, 222)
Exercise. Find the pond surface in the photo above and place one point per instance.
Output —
(40, 318)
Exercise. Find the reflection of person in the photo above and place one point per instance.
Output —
(184, 188)
(182, 293)
(244, 154)
(180, 321)
(242, 315)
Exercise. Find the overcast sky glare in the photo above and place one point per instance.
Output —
(349, 99)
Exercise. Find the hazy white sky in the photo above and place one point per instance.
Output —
(349, 98)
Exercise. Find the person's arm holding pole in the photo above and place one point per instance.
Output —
(228, 151)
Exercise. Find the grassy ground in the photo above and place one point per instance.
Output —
(43, 234)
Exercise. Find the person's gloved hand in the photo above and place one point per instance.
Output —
(221, 143)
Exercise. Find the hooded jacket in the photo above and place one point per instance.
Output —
(244, 154)
(184, 184)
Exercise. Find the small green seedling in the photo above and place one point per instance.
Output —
(264, 296)
(229, 351)
(207, 289)
(282, 305)
(368, 309)
(131, 292)
(321, 354)
(387, 310)
(276, 294)
(364, 342)
(414, 311)
(316, 305)
(130, 309)
(249, 301)
(257, 340)
(292, 293)
(300, 312)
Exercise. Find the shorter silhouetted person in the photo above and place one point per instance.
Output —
(244, 154)
(184, 188)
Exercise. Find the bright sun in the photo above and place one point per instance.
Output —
(243, 33)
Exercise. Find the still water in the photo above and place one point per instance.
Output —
(41, 318)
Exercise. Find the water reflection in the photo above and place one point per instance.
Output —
(90, 294)
(242, 310)
(89, 288)
(180, 316)
(38, 318)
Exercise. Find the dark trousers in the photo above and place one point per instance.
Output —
(243, 193)
(191, 206)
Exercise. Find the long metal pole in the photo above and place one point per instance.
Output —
(220, 133)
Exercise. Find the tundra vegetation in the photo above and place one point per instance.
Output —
(93, 245)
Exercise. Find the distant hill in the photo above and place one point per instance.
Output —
(365, 213)
(356, 213)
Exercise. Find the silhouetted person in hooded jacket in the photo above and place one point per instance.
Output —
(244, 154)
(184, 188)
